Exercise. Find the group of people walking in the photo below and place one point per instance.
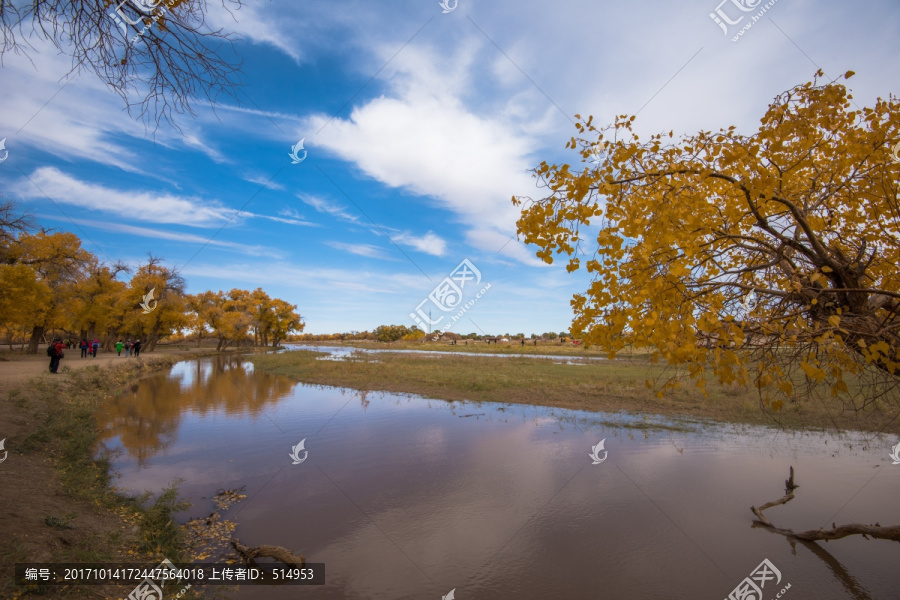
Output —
(88, 349)
(129, 347)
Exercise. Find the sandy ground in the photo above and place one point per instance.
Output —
(29, 490)
(16, 368)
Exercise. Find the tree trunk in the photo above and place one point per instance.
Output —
(37, 334)
(153, 336)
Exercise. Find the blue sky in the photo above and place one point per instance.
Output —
(419, 127)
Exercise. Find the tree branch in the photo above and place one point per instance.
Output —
(875, 531)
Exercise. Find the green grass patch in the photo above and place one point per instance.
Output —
(67, 432)
(599, 385)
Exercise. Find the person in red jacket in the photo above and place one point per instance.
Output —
(56, 354)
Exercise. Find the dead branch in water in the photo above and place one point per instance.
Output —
(248, 553)
(874, 531)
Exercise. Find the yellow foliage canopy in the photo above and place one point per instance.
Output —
(746, 255)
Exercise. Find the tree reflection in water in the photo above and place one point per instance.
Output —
(146, 416)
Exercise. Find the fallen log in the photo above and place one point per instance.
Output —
(248, 553)
(812, 535)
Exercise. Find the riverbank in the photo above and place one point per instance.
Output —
(514, 347)
(619, 385)
(16, 368)
(56, 501)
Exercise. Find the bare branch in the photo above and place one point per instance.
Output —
(875, 531)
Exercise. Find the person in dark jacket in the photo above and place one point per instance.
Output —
(56, 354)
(137, 347)
(84, 347)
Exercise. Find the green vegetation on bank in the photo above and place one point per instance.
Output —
(108, 526)
(481, 347)
(620, 385)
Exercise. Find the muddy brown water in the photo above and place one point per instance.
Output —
(403, 497)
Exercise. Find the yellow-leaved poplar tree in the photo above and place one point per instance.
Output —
(767, 259)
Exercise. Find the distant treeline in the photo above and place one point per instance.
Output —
(392, 333)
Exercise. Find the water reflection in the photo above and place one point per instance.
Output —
(145, 418)
(405, 497)
(344, 352)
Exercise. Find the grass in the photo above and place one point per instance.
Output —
(479, 347)
(160, 533)
(67, 433)
(611, 386)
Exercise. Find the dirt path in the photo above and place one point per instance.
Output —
(16, 368)
(31, 495)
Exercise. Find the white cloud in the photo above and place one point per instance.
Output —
(142, 206)
(321, 279)
(325, 206)
(503, 244)
(430, 243)
(361, 250)
(267, 182)
(434, 147)
(289, 221)
(75, 117)
(154, 207)
(192, 140)
(177, 236)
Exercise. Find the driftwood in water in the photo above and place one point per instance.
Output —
(248, 553)
(874, 531)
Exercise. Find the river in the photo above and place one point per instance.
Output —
(403, 497)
